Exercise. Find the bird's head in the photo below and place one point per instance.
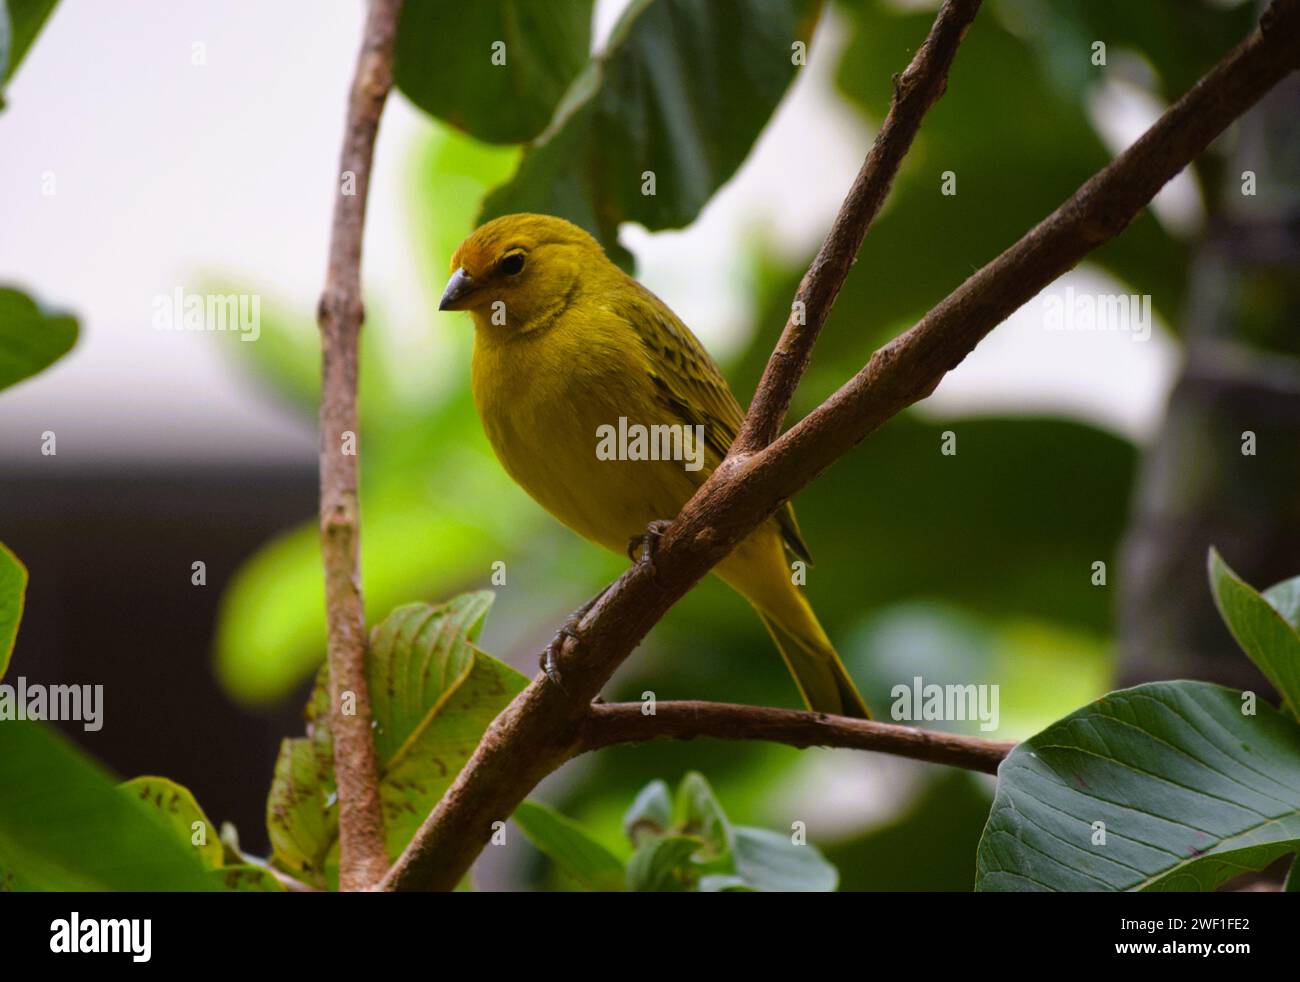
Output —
(518, 271)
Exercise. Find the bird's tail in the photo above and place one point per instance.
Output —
(822, 678)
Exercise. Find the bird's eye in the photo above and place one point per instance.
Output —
(513, 264)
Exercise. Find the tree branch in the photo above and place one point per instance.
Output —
(362, 857)
(543, 726)
(625, 722)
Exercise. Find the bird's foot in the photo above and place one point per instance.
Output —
(646, 543)
(549, 660)
(550, 656)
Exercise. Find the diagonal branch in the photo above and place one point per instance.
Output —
(626, 722)
(544, 725)
(362, 858)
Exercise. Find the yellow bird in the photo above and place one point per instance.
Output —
(586, 382)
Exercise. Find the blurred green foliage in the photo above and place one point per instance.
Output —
(679, 843)
(451, 60)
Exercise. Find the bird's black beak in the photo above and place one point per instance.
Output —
(458, 286)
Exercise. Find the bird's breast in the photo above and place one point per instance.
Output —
(549, 407)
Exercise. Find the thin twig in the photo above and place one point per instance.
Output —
(362, 857)
(915, 91)
(627, 722)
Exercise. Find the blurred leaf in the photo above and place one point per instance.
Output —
(246, 878)
(772, 861)
(65, 825)
(1264, 634)
(1182, 40)
(570, 846)
(20, 22)
(419, 540)
(682, 90)
(651, 813)
(1191, 792)
(1285, 599)
(699, 814)
(13, 590)
(30, 339)
(663, 865)
(432, 696)
(176, 806)
(447, 53)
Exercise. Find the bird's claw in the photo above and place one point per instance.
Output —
(550, 656)
(646, 542)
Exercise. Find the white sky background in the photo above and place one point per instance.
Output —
(169, 174)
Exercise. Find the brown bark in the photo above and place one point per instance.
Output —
(362, 857)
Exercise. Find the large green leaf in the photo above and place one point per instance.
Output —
(65, 825)
(448, 61)
(1166, 786)
(30, 339)
(683, 90)
(432, 694)
(570, 846)
(13, 590)
(1262, 630)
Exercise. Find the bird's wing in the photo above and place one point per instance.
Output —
(692, 389)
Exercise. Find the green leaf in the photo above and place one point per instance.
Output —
(180, 812)
(663, 865)
(1272, 642)
(432, 696)
(246, 878)
(447, 62)
(570, 846)
(13, 590)
(65, 825)
(301, 817)
(20, 22)
(1188, 791)
(651, 813)
(699, 814)
(772, 861)
(682, 90)
(30, 339)
(1285, 599)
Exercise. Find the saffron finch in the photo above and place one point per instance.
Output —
(568, 351)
